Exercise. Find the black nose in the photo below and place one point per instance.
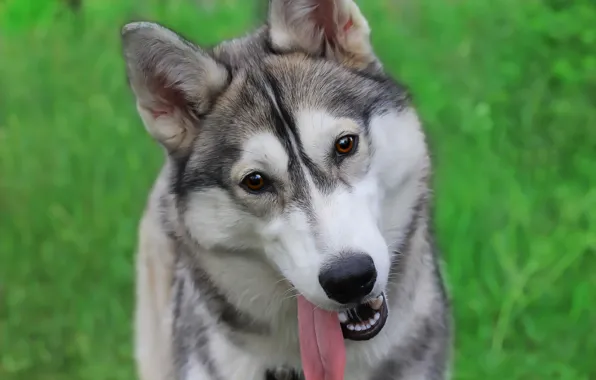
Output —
(349, 279)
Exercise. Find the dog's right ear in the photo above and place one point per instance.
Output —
(173, 80)
(335, 29)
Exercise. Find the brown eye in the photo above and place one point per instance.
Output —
(345, 145)
(254, 182)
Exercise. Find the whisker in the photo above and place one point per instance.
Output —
(290, 297)
(290, 291)
(351, 313)
(357, 316)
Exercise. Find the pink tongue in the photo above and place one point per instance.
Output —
(321, 342)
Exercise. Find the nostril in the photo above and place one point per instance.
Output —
(350, 278)
(371, 281)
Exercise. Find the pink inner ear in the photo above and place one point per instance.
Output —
(348, 25)
(158, 112)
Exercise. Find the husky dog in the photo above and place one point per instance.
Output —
(287, 235)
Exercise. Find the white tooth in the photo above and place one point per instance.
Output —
(377, 316)
(358, 328)
(343, 318)
(377, 302)
(368, 326)
(372, 321)
(350, 327)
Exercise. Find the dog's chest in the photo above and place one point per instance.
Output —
(362, 362)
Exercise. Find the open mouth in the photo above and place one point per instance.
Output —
(366, 320)
(322, 337)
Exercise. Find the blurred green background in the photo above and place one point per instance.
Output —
(506, 88)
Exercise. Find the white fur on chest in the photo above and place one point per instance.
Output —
(262, 353)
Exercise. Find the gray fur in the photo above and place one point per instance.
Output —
(218, 99)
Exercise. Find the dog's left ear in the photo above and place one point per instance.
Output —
(174, 81)
(335, 29)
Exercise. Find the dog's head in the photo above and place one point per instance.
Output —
(292, 143)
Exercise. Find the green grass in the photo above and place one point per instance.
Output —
(507, 90)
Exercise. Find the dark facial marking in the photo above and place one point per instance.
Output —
(288, 128)
(215, 301)
(222, 309)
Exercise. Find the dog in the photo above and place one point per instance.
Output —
(288, 234)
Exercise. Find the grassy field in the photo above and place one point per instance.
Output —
(507, 90)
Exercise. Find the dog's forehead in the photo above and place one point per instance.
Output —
(294, 84)
(302, 83)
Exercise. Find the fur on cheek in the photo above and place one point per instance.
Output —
(213, 220)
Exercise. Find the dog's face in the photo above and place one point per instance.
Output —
(291, 144)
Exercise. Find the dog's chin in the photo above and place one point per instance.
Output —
(364, 321)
